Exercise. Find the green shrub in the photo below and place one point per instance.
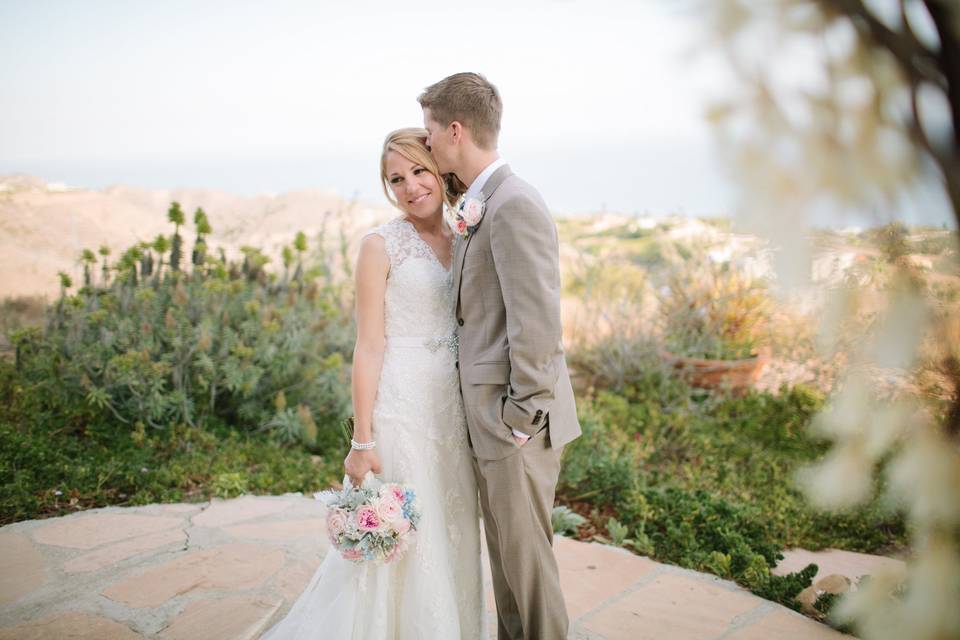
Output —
(177, 375)
(707, 481)
(218, 342)
(600, 464)
(48, 467)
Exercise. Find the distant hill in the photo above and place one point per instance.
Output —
(45, 226)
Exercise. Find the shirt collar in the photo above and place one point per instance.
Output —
(477, 186)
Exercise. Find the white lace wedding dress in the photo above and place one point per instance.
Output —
(435, 590)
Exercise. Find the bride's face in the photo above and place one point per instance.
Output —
(415, 188)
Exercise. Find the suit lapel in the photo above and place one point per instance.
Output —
(495, 180)
(459, 250)
(463, 243)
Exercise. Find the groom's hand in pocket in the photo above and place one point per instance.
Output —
(359, 462)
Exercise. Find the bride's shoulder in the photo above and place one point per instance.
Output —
(373, 256)
(387, 229)
(381, 241)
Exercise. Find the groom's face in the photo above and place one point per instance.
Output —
(440, 142)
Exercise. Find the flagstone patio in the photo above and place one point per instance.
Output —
(226, 569)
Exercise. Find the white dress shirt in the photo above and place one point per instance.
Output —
(474, 191)
(476, 187)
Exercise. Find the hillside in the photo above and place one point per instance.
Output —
(44, 227)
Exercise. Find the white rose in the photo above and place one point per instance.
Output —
(472, 212)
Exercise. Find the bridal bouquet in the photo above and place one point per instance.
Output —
(373, 522)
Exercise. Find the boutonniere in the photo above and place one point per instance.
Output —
(469, 214)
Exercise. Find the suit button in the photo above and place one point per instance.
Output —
(460, 321)
(457, 364)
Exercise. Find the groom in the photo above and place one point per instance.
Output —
(516, 390)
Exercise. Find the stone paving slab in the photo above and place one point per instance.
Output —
(784, 625)
(230, 566)
(223, 619)
(851, 564)
(590, 578)
(89, 530)
(69, 626)
(24, 568)
(112, 554)
(228, 569)
(689, 607)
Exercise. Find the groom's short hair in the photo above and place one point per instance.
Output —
(471, 100)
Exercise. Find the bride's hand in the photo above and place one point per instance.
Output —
(359, 462)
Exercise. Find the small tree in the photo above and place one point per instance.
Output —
(300, 245)
(175, 215)
(88, 258)
(104, 252)
(161, 245)
(146, 259)
(203, 229)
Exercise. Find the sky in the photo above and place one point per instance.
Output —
(603, 109)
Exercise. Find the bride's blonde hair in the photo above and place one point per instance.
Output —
(411, 143)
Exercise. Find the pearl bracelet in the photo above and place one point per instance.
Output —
(362, 446)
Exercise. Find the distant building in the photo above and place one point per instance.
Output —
(831, 268)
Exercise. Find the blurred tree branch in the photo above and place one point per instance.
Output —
(919, 64)
(872, 117)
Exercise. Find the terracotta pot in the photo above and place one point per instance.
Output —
(736, 375)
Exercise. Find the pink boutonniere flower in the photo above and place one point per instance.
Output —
(469, 213)
(472, 212)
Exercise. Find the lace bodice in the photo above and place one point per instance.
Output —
(419, 300)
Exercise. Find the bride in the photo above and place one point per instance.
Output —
(407, 403)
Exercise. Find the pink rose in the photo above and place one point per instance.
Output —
(389, 509)
(367, 518)
(395, 491)
(472, 212)
(461, 227)
(336, 523)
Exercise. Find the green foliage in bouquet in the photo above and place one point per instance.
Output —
(200, 342)
(713, 310)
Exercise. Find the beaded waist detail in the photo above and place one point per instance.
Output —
(432, 344)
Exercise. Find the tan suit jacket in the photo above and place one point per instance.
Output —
(512, 368)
